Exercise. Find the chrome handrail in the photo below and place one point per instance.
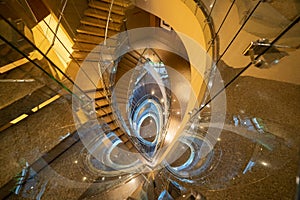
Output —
(107, 22)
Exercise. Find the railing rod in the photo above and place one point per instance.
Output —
(57, 26)
(221, 25)
(107, 21)
(240, 29)
(208, 18)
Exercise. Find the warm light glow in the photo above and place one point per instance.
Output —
(35, 109)
(264, 163)
(58, 48)
(21, 117)
(45, 103)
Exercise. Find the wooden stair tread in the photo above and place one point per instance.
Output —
(128, 62)
(101, 115)
(129, 144)
(91, 21)
(123, 3)
(91, 39)
(91, 56)
(91, 30)
(124, 138)
(132, 58)
(124, 66)
(103, 15)
(106, 6)
(80, 46)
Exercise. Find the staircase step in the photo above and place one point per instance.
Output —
(121, 71)
(82, 55)
(113, 126)
(119, 132)
(124, 138)
(103, 15)
(100, 96)
(104, 111)
(109, 118)
(102, 115)
(99, 89)
(137, 55)
(129, 145)
(106, 6)
(88, 39)
(103, 106)
(123, 3)
(102, 103)
(79, 46)
(90, 56)
(91, 30)
(126, 65)
(131, 58)
(100, 23)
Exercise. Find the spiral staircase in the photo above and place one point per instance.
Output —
(90, 34)
(190, 171)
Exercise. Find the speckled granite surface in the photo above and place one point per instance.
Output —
(277, 104)
(32, 137)
(274, 102)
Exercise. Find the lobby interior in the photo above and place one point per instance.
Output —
(149, 99)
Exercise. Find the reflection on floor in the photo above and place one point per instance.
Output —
(62, 171)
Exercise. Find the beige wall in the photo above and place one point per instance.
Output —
(180, 16)
(176, 13)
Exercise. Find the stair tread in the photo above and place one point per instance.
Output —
(89, 56)
(127, 65)
(100, 23)
(106, 7)
(101, 115)
(101, 104)
(88, 38)
(81, 46)
(135, 54)
(124, 138)
(109, 118)
(103, 15)
(129, 144)
(82, 55)
(124, 3)
(104, 111)
(113, 126)
(91, 30)
(131, 58)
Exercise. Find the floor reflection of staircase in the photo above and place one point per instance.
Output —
(91, 33)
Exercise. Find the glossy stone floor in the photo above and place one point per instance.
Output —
(61, 173)
(277, 104)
